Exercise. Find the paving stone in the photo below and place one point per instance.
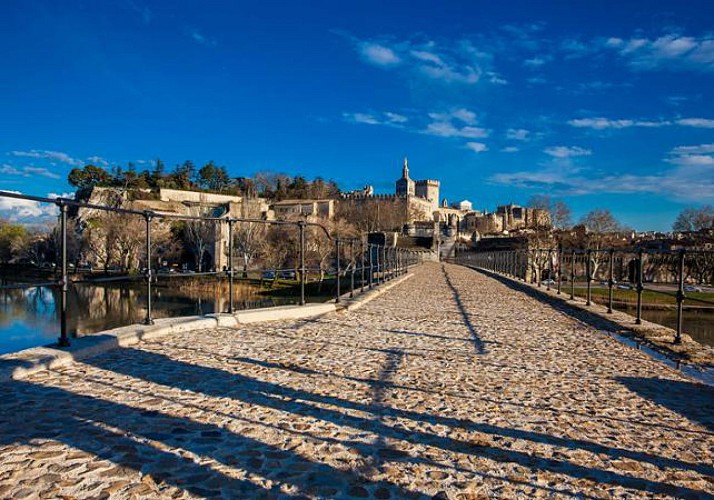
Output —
(451, 385)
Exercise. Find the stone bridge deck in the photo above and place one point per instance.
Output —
(452, 384)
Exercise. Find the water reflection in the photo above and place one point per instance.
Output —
(29, 317)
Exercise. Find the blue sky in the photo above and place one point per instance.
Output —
(601, 104)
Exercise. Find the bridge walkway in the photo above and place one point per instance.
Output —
(451, 384)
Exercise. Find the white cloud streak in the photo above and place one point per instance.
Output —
(566, 151)
(385, 118)
(477, 147)
(447, 62)
(602, 123)
(517, 134)
(27, 171)
(671, 51)
(53, 156)
(691, 178)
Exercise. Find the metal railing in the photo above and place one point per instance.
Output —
(678, 274)
(364, 264)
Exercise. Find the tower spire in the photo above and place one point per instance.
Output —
(405, 169)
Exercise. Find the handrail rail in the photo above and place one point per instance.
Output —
(383, 265)
(531, 264)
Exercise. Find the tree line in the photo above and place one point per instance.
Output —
(209, 178)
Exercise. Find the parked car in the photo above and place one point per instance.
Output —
(286, 275)
(268, 275)
(624, 286)
(548, 282)
(692, 288)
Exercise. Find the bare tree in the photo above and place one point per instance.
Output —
(248, 240)
(199, 235)
(560, 215)
(601, 231)
(694, 219)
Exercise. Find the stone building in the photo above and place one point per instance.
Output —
(426, 189)
(310, 209)
(412, 201)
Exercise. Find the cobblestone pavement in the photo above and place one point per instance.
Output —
(451, 384)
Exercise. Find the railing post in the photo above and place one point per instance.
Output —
(147, 217)
(361, 264)
(337, 290)
(640, 286)
(370, 249)
(354, 263)
(550, 268)
(588, 272)
(680, 298)
(560, 268)
(384, 262)
(301, 227)
(611, 280)
(63, 340)
(230, 266)
(572, 275)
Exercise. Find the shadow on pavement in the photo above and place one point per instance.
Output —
(694, 402)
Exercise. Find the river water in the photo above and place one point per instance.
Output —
(29, 318)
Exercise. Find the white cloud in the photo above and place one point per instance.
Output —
(448, 129)
(495, 78)
(477, 147)
(21, 210)
(700, 149)
(602, 123)
(537, 80)
(53, 156)
(517, 134)
(509, 149)
(385, 118)
(701, 155)
(395, 117)
(462, 114)
(201, 39)
(98, 160)
(448, 62)
(455, 123)
(691, 178)
(375, 53)
(537, 61)
(27, 171)
(671, 51)
(696, 122)
(566, 151)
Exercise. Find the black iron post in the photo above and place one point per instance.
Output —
(301, 227)
(572, 275)
(230, 266)
(611, 280)
(560, 268)
(371, 264)
(680, 298)
(147, 217)
(63, 340)
(354, 263)
(337, 291)
(640, 286)
(384, 263)
(361, 264)
(588, 272)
